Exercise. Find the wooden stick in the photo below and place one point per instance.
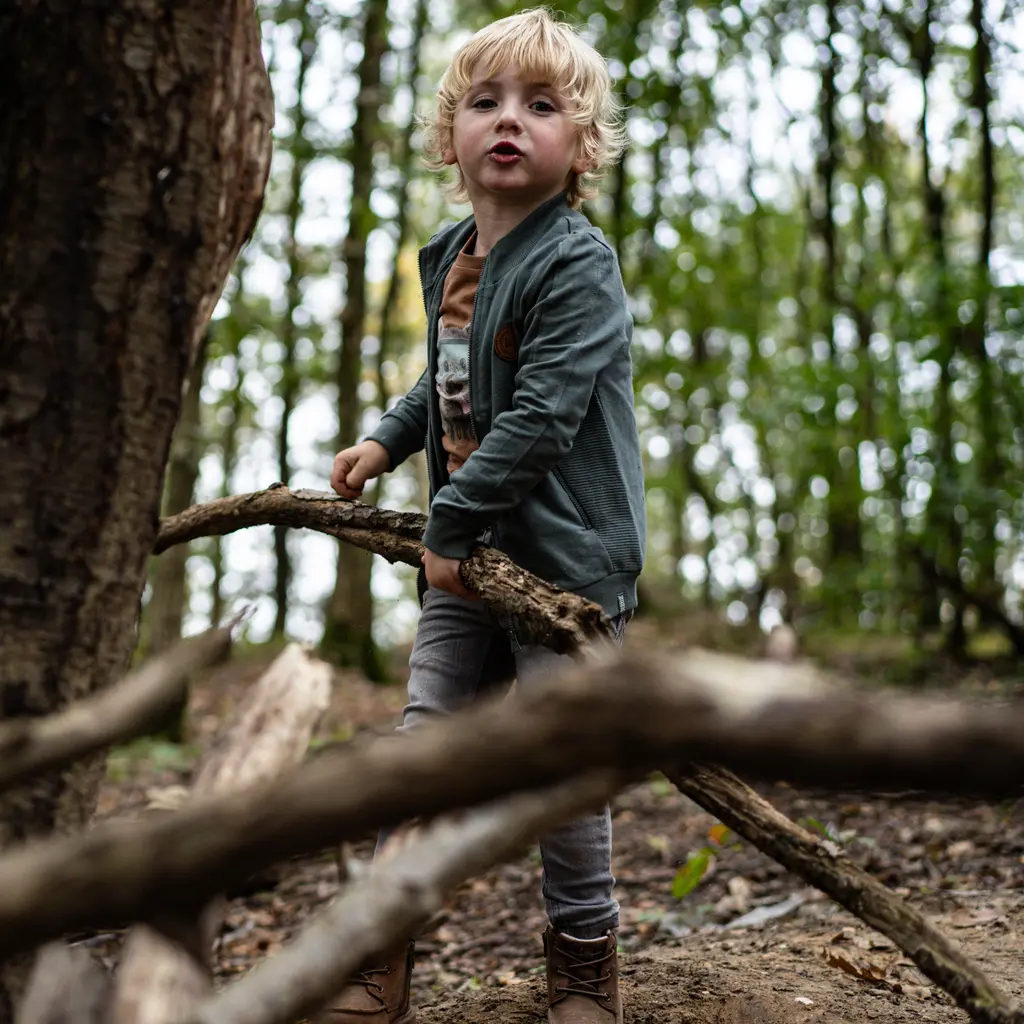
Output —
(827, 867)
(546, 615)
(132, 707)
(397, 894)
(639, 713)
(164, 971)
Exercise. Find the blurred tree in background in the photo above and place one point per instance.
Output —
(820, 221)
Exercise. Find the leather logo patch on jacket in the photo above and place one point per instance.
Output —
(505, 344)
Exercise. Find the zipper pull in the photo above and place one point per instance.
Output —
(513, 640)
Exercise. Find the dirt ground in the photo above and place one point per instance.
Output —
(749, 944)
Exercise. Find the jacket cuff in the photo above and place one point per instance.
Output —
(450, 538)
(394, 436)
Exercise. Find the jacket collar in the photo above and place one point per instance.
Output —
(440, 252)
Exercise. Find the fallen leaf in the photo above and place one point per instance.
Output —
(658, 843)
(762, 915)
(963, 848)
(856, 966)
(965, 918)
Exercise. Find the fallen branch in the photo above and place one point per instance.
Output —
(164, 971)
(66, 987)
(704, 708)
(132, 707)
(828, 868)
(547, 615)
(394, 898)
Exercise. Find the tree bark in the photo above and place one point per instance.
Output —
(160, 979)
(348, 632)
(134, 149)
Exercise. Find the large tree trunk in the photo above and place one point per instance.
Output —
(348, 638)
(134, 148)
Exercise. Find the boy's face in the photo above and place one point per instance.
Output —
(513, 139)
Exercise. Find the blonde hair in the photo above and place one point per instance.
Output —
(547, 51)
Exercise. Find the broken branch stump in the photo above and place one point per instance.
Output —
(164, 970)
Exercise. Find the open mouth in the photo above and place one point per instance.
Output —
(505, 152)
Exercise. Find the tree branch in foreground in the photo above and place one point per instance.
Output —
(132, 707)
(588, 717)
(394, 898)
(828, 868)
(550, 616)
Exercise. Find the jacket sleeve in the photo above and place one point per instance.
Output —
(574, 329)
(403, 429)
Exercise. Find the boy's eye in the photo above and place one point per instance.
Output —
(483, 103)
(543, 106)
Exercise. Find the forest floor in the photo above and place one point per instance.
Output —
(750, 943)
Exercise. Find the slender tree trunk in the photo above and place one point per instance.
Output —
(288, 390)
(134, 148)
(228, 458)
(990, 462)
(405, 160)
(844, 550)
(161, 625)
(348, 633)
(944, 534)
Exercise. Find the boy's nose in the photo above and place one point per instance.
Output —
(508, 120)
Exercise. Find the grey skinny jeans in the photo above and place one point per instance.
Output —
(444, 675)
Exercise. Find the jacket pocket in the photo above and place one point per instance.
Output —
(576, 503)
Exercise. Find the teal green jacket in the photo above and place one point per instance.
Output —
(558, 477)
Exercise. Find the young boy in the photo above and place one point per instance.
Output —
(526, 412)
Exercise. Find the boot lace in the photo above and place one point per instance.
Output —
(584, 986)
(373, 988)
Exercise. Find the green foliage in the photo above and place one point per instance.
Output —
(828, 351)
(691, 874)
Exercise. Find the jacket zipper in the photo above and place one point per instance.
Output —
(585, 519)
(469, 352)
(431, 355)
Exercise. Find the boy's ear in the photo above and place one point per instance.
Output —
(448, 154)
(582, 163)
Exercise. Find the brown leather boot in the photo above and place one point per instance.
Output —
(378, 993)
(583, 979)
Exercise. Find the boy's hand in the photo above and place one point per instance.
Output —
(355, 465)
(443, 573)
